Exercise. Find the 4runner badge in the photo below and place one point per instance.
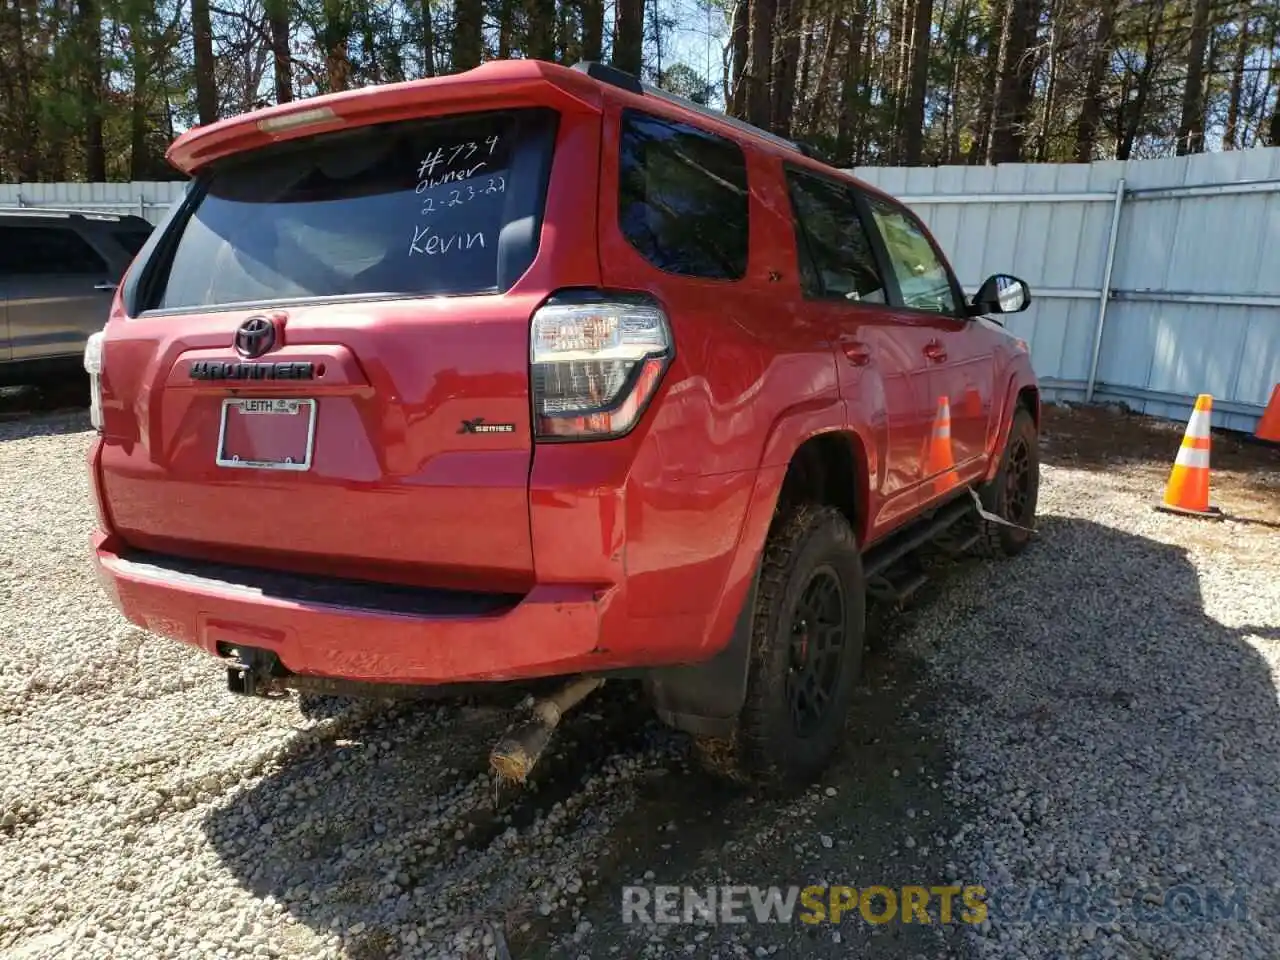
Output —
(219, 370)
(479, 426)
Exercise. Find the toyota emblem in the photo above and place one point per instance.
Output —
(255, 337)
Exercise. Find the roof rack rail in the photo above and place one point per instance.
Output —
(60, 211)
(628, 82)
(812, 152)
(607, 74)
(706, 111)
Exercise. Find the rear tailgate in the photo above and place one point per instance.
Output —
(394, 270)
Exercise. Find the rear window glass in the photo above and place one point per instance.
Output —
(410, 208)
(683, 197)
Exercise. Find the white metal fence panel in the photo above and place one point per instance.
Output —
(144, 199)
(1191, 304)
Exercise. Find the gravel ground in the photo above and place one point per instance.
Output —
(1094, 721)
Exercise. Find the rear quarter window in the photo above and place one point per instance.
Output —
(413, 208)
(683, 197)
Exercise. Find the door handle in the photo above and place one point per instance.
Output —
(105, 287)
(857, 352)
(935, 351)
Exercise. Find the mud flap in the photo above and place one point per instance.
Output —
(704, 699)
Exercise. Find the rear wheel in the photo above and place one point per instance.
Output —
(806, 652)
(1013, 492)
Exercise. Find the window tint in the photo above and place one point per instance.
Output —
(683, 198)
(409, 208)
(836, 257)
(132, 239)
(921, 276)
(47, 250)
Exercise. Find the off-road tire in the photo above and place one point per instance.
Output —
(1011, 496)
(809, 547)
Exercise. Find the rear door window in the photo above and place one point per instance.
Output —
(44, 251)
(412, 208)
(683, 197)
(837, 260)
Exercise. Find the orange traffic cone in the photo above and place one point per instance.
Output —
(1188, 488)
(940, 462)
(1269, 425)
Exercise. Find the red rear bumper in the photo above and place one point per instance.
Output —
(552, 630)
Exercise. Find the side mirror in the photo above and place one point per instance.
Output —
(1001, 293)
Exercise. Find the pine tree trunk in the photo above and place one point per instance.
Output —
(139, 155)
(335, 36)
(895, 58)
(1091, 104)
(540, 44)
(428, 41)
(1142, 93)
(468, 20)
(815, 105)
(1231, 134)
(913, 115)
(628, 36)
(871, 65)
(760, 61)
(22, 125)
(804, 65)
(593, 30)
(785, 62)
(369, 50)
(1013, 90)
(1050, 89)
(739, 33)
(281, 57)
(90, 27)
(655, 20)
(1191, 126)
(206, 91)
(1273, 128)
(991, 84)
(506, 28)
(850, 83)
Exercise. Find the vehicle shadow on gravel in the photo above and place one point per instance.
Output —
(46, 410)
(384, 830)
(1125, 746)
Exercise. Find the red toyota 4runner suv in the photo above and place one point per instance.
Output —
(536, 372)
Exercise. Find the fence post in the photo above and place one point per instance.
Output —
(142, 205)
(1105, 291)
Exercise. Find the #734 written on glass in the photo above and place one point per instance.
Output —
(451, 177)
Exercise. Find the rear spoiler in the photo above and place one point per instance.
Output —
(505, 83)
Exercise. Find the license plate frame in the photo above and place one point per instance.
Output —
(267, 406)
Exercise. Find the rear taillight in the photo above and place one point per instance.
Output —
(93, 366)
(596, 366)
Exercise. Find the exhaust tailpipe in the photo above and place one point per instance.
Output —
(517, 753)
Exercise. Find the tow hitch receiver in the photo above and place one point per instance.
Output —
(516, 754)
(253, 673)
